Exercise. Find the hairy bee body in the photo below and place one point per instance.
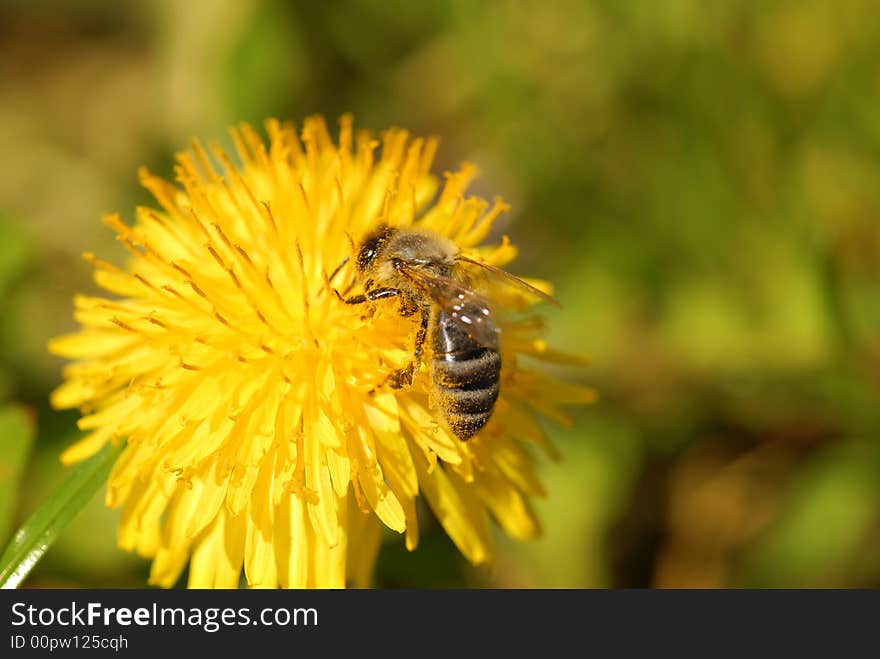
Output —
(425, 273)
(465, 374)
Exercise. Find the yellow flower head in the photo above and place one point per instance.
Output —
(261, 433)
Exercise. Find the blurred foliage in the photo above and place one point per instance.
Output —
(700, 179)
(17, 434)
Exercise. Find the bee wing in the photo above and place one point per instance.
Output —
(508, 278)
(469, 310)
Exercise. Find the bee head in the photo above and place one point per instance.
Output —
(371, 247)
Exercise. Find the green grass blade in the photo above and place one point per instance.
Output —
(39, 532)
(16, 439)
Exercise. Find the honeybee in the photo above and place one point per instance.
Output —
(426, 272)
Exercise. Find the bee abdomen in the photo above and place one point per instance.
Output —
(467, 385)
(468, 401)
(477, 369)
(466, 426)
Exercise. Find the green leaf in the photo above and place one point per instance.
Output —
(16, 438)
(35, 537)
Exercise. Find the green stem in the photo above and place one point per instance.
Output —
(39, 532)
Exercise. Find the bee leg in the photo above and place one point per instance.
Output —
(374, 294)
(407, 306)
(379, 293)
(354, 299)
(404, 377)
(422, 334)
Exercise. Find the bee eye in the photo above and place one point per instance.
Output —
(366, 256)
(370, 248)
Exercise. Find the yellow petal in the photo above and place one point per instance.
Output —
(513, 462)
(91, 343)
(507, 504)
(322, 508)
(259, 555)
(365, 535)
(372, 481)
(328, 560)
(134, 534)
(87, 446)
(218, 553)
(210, 489)
(292, 545)
(457, 509)
(174, 548)
(340, 471)
(241, 487)
(430, 436)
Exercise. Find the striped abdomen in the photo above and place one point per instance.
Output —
(466, 376)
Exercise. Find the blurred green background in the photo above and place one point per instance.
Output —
(699, 178)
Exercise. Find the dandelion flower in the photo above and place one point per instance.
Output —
(259, 435)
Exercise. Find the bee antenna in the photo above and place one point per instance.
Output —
(338, 268)
(350, 241)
